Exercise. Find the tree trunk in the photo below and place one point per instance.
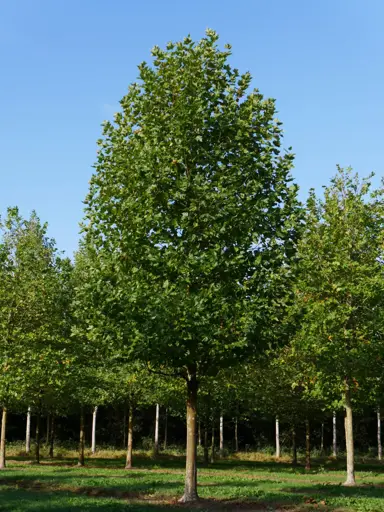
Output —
(213, 443)
(81, 440)
(28, 432)
(206, 451)
(165, 429)
(294, 447)
(128, 463)
(349, 437)
(156, 446)
(322, 439)
(307, 445)
(48, 430)
(37, 439)
(199, 433)
(190, 489)
(52, 440)
(221, 436)
(334, 430)
(236, 437)
(94, 417)
(277, 432)
(2, 439)
(379, 446)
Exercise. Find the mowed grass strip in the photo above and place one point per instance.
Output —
(155, 485)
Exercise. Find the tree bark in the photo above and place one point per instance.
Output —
(348, 423)
(322, 439)
(28, 432)
(206, 451)
(3, 438)
(379, 445)
(37, 439)
(236, 437)
(128, 463)
(81, 438)
(294, 447)
(334, 439)
(156, 446)
(277, 432)
(221, 436)
(94, 418)
(307, 445)
(52, 440)
(213, 443)
(199, 433)
(190, 489)
(165, 429)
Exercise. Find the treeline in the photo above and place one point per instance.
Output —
(200, 277)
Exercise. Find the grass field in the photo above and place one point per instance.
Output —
(154, 485)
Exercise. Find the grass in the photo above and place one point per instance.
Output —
(250, 482)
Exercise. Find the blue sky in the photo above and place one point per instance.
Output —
(65, 64)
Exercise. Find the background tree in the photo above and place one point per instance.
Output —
(340, 291)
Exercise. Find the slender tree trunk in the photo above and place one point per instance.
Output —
(156, 446)
(307, 445)
(277, 432)
(199, 433)
(206, 451)
(48, 430)
(52, 440)
(213, 443)
(379, 445)
(221, 436)
(3, 438)
(349, 437)
(165, 429)
(37, 439)
(190, 489)
(128, 463)
(82, 437)
(94, 418)
(294, 447)
(236, 437)
(322, 439)
(28, 432)
(334, 439)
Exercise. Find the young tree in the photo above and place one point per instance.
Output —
(340, 291)
(191, 204)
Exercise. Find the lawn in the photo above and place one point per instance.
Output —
(155, 485)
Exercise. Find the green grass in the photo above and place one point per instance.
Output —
(248, 482)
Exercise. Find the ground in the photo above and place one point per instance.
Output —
(154, 485)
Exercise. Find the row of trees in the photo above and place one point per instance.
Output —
(198, 264)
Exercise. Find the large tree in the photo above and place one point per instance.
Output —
(191, 205)
(340, 292)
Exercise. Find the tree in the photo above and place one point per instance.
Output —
(32, 315)
(340, 291)
(191, 205)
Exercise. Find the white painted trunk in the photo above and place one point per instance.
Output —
(157, 429)
(379, 446)
(221, 436)
(277, 432)
(94, 416)
(334, 442)
(28, 432)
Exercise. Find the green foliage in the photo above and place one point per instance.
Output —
(191, 213)
(340, 287)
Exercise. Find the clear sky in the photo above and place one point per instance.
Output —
(65, 64)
